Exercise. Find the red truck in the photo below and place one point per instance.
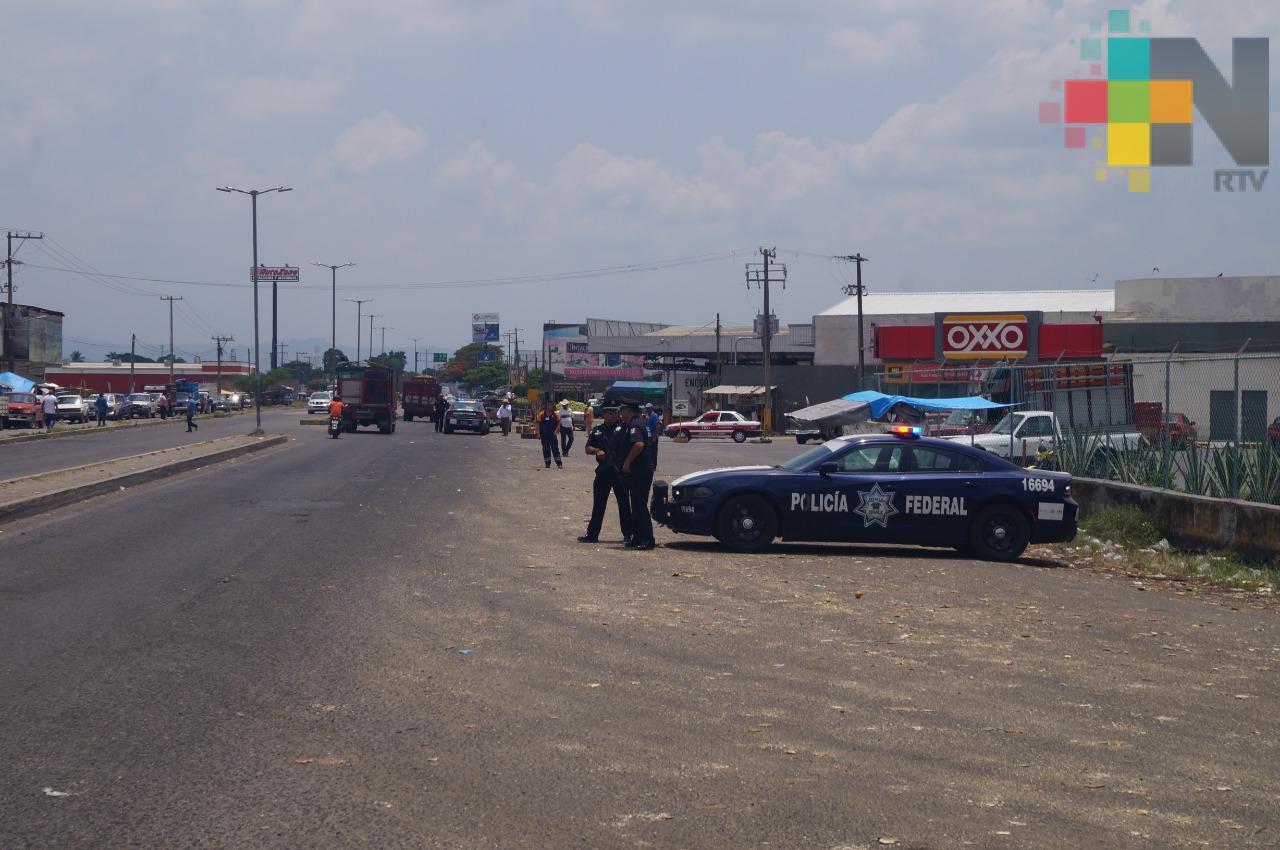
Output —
(419, 397)
(23, 409)
(368, 396)
(1153, 423)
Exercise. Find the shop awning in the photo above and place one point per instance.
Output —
(729, 389)
(836, 412)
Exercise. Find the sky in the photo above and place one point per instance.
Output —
(448, 147)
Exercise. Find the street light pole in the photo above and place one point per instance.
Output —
(415, 353)
(257, 345)
(359, 302)
(333, 330)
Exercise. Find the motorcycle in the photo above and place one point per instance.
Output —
(335, 427)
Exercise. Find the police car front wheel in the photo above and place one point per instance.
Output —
(999, 533)
(747, 523)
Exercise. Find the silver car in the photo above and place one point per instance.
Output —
(141, 405)
(73, 408)
(318, 403)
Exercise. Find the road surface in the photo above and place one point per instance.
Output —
(394, 641)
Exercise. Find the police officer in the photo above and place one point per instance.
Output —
(602, 444)
(637, 475)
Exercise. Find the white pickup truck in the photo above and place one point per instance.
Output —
(1033, 430)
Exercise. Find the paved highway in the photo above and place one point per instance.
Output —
(387, 641)
(32, 457)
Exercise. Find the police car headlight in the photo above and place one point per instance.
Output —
(701, 493)
(1066, 491)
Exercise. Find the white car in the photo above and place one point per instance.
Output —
(73, 408)
(319, 403)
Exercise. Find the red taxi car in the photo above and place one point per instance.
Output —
(717, 423)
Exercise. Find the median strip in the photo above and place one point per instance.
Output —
(34, 494)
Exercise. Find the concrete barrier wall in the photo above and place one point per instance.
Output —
(1196, 522)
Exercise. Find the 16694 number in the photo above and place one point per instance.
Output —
(1038, 485)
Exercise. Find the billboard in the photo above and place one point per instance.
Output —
(484, 327)
(967, 336)
(279, 274)
(566, 350)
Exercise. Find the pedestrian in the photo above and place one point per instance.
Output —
(442, 405)
(100, 405)
(653, 423)
(566, 428)
(49, 405)
(191, 413)
(602, 444)
(588, 418)
(548, 425)
(504, 417)
(163, 404)
(637, 475)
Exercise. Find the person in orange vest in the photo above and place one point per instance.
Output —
(335, 410)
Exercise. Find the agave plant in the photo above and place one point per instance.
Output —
(1260, 474)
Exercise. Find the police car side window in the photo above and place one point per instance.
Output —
(939, 460)
(860, 459)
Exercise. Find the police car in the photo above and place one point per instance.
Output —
(897, 487)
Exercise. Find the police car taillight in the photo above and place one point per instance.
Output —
(906, 431)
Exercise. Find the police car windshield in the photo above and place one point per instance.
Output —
(804, 460)
(1007, 424)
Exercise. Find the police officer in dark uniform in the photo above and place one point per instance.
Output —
(603, 444)
(637, 475)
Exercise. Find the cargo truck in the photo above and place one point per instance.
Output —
(419, 396)
(368, 396)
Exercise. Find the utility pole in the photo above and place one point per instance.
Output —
(218, 341)
(372, 316)
(257, 347)
(359, 302)
(171, 299)
(21, 236)
(859, 290)
(515, 332)
(385, 328)
(133, 347)
(415, 353)
(333, 330)
(718, 329)
(758, 273)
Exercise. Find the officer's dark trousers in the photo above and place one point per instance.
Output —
(607, 482)
(639, 483)
(550, 448)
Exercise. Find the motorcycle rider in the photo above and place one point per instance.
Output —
(335, 411)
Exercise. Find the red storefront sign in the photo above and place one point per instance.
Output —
(917, 342)
(1005, 337)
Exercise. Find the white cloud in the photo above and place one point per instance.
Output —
(260, 98)
(373, 143)
(899, 42)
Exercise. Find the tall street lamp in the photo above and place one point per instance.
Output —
(333, 343)
(359, 302)
(257, 352)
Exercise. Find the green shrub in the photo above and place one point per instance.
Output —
(1125, 525)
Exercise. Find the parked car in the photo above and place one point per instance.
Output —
(468, 415)
(717, 423)
(140, 406)
(318, 402)
(24, 409)
(115, 405)
(73, 408)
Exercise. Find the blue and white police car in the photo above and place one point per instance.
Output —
(896, 487)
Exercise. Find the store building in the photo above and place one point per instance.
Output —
(31, 340)
(120, 377)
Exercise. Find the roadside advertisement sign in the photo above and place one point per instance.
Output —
(566, 347)
(278, 274)
(1009, 336)
(484, 327)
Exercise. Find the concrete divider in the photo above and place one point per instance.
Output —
(64, 429)
(23, 507)
(1196, 522)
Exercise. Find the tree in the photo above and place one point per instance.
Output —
(77, 357)
(533, 379)
(332, 358)
(468, 357)
(300, 370)
(164, 358)
(391, 359)
(126, 357)
(489, 374)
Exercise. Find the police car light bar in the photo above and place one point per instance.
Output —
(906, 430)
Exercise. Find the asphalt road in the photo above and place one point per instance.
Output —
(393, 641)
(32, 457)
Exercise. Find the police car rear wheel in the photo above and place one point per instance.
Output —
(739, 436)
(999, 533)
(747, 524)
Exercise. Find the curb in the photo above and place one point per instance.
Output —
(38, 434)
(49, 501)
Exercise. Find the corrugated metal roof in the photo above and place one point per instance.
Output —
(927, 303)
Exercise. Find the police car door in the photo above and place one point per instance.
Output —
(939, 493)
(864, 490)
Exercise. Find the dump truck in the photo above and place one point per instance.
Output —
(368, 396)
(419, 396)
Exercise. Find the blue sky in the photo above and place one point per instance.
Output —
(433, 140)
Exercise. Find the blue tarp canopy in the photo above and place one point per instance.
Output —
(16, 383)
(881, 404)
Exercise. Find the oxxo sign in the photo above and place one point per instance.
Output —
(969, 336)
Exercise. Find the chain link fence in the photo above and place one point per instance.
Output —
(1207, 424)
